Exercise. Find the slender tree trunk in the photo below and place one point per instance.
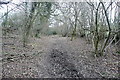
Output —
(24, 28)
(29, 24)
(108, 37)
(74, 30)
(96, 37)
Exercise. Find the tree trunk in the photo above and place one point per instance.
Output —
(96, 37)
(108, 37)
(74, 30)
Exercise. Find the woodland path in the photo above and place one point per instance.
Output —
(52, 57)
(57, 61)
(53, 62)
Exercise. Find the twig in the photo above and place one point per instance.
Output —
(111, 42)
(10, 10)
(99, 73)
(117, 42)
(117, 4)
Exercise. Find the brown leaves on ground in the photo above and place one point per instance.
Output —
(33, 61)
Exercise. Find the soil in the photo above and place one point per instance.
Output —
(56, 57)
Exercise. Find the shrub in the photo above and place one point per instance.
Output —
(54, 32)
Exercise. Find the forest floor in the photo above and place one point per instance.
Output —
(56, 57)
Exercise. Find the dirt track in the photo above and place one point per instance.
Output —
(54, 57)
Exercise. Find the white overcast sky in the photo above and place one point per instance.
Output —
(3, 9)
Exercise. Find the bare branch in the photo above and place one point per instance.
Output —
(10, 10)
(2, 2)
(91, 4)
(109, 6)
(117, 4)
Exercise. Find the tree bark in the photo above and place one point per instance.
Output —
(108, 37)
(96, 37)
